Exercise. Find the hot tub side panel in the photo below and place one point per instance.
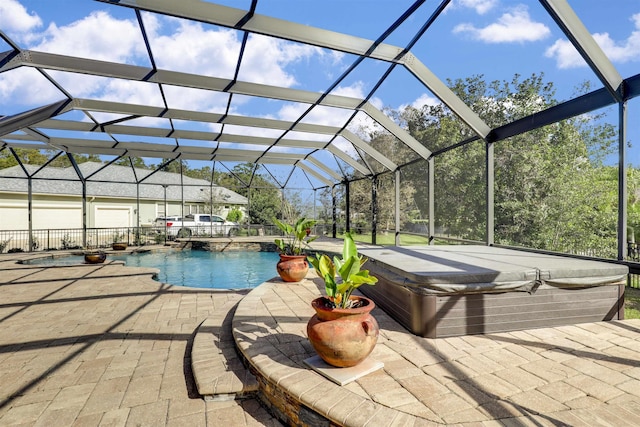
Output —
(434, 316)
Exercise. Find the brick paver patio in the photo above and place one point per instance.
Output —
(96, 345)
(104, 345)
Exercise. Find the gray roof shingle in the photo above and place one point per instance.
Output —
(114, 181)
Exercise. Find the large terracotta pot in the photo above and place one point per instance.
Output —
(343, 337)
(292, 268)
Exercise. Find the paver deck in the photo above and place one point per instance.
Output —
(105, 344)
(579, 375)
(98, 345)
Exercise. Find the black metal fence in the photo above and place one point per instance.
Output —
(73, 238)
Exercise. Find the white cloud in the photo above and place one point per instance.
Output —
(15, 18)
(480, 6)
(90, 37)
(192, 49)
(266, 58)
(93, 37)
(26, 86)
(511, 27)
(177, 45)
(567, 56)
(423, 100)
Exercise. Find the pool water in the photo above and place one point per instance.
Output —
(204, 269)
(199, 269)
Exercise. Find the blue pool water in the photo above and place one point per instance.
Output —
(204, 269)
(199, 269)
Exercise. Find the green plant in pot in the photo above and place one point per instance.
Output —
(343, 332)
(118, 243)
(293, 266)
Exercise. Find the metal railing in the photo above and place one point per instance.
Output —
(73, 238)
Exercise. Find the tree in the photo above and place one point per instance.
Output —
(552, 190)
(265, 200)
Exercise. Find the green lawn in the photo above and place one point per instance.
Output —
(632, 303)
(390, 239)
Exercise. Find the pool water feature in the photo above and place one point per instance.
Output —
(194, 268)
(205, 269)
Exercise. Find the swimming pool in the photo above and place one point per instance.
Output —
(205, 269)
(193, 268)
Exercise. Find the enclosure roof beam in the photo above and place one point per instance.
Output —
(137, 73)
(347, 159)
(395, 130)
(355, 140)
(174, 78)
(586, 45)
(178, 134)
(324, 167)
(313, 172)
(229, 17)
(446, 95)
(150, 111)
(9, 124)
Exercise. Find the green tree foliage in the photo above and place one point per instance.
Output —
(265, 201)
(552, 187)
(234, 215)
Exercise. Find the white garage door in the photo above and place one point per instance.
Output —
(57, 217)
(109, 217)
(14, 218)
(49, 217)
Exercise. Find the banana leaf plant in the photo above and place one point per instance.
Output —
(296, 236)
(347, 270)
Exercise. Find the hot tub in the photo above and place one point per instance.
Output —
(441, 291)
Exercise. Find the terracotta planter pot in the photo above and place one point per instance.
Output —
(343, 337)
(292, 268)
(95, 257)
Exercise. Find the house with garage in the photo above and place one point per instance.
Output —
(115, 196)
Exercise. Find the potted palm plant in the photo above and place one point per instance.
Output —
(343, 332)
(293, 266)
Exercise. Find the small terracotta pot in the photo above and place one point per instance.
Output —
(119, 246)
(343, 337)
(292, 268)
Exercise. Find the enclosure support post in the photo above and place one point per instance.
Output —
(334, 225)
(374, 209)
(72, 160)
(397, 185)
(622, 181)
(84, 213)
(347, 210)
(490, 171)
(181, 197)
(430, 182)
(137, 235)
(30, 208)
(165, 212)
(211, 209)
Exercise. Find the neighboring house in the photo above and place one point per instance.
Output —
(111, 197)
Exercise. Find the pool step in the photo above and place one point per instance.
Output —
(218, 371)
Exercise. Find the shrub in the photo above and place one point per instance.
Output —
(234, 215)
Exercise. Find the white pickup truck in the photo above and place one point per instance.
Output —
(196, 224)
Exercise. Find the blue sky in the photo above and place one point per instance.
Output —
(494, 38)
